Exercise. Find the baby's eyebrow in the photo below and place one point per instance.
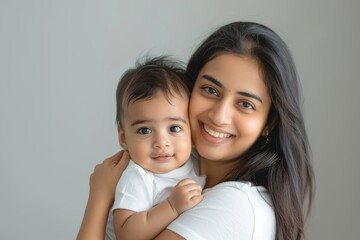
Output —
(138, 122)
(144, 121)
(178, 119)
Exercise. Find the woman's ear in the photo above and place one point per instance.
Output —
(122, 139)
(269, 127)
(265, 132)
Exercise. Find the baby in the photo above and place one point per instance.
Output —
(153, 126)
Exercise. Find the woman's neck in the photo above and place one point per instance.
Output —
(215, 170)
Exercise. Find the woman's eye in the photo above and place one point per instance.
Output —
(144, 131)
(211, 90)
(175, 129)
(246, 105)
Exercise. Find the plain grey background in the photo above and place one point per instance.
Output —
(60, 62)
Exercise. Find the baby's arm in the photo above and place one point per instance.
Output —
(148, 224)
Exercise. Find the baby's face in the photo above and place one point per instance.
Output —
(156, 132)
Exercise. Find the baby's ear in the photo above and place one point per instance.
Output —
(122, 139)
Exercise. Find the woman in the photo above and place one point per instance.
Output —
(249, 134)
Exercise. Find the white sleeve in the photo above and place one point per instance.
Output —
(228, 211)
(134, 190)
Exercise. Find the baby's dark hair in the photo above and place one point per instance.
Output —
(148, 77)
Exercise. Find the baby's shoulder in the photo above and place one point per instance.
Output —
(135, 171)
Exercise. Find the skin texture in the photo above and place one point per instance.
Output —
(228, 111)
(225, 119)
(156, 132)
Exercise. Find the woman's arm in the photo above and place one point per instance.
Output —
(168, 234)
(102, 188)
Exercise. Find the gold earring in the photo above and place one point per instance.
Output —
(267, 135)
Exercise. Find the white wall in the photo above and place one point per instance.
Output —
(60, 62)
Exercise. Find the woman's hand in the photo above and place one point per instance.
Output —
(102, 190)
(106, 175)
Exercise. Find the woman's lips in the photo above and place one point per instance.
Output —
(213, 136)
(216, 134)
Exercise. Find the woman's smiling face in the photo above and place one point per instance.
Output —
(229, 107)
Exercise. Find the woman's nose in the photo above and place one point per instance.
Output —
(221, 112)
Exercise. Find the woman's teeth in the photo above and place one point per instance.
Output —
(216, 134)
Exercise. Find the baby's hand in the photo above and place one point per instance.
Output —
(185, 195)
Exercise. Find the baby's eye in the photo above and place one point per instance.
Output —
(211, 90)
(144, 131)
(246, 105)
(175, 129)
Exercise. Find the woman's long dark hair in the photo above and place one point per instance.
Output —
(282, 164)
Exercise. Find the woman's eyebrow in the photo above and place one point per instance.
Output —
(251, 95)
(219, 84)
(213, 80)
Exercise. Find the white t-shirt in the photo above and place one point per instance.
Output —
(229, 210)
(140, 190)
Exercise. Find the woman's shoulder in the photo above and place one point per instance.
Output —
(250, 202)
(248, 189)
(245, 192)
(234, 210)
